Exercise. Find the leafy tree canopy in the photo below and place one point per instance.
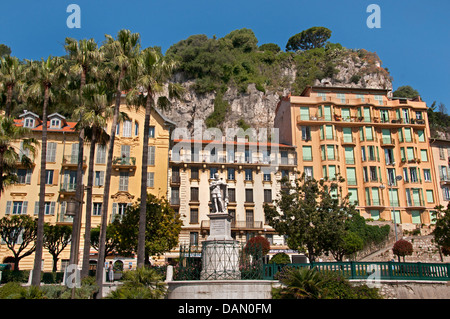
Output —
(312, 38)
(4, 50)
(406, 91)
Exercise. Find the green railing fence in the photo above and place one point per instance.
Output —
(374, 270)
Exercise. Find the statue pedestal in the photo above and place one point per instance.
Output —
(220, 252)
(219, 226)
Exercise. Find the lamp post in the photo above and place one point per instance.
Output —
(391, 184)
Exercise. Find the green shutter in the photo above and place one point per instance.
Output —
(304, 113)
(307, 154)
(415, 214)
(353, 195)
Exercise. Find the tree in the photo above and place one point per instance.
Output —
(163, 226)
(19, 232)
(11, 73)
(402, 248)
(9, 157)
(120, 54)
(315, 37)
(257, 246)
(311, 214)
(83, 59)
(4, 50)
(153, 71)
(93, 116)
(347, 245)
(441, 231)
(406, 91)
(56, 239)
(280, 258)
(110, 245)
(44, 77)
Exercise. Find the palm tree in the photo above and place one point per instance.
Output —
(153, 71)
(93, 117)
(44, 76)
(11, 71)
(9, 157)
(84, 56)
(120, 54)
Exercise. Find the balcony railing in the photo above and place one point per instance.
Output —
(124, 160)
(68, 187)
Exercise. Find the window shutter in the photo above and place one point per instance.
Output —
(24, 207)
(114, 210)
(102, 178)
(151, 155)
(63, 209)
(8, 207)
(36, 207)
(52, 208)
(28, 177)
(55, 176)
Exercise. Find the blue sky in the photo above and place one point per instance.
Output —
(413, 41)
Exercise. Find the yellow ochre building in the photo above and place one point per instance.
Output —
(62, 159)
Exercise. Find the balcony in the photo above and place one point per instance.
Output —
(445, 180)
(124, 162)
(71, 161)
(237, 225)
(68, 188)
(387, 141)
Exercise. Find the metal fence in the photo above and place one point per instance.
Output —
(374, 270)
(230, 261)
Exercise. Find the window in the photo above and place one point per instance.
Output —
(248, 174)
(306, 133)
(49, 208)
(353, 196)
(151, 155)
(48, 177)
(341, 96)
(126, 129)
(231, 174)
(446, 193)
(175, 175)
(267, 196)
(249, 218)
(212, 171)
(194, 194)
(423, 155)
(379, 98)
(55, 123)
(193, 238)
(322, 95)
(430, 197)
(231, 195)
(408, 136)
(151, 132)
(426, 175)
(51, 152)
(369, 133)
(410, 153)
(18, 208)
(308, 172)
(97, 209)
(389, 156)
(421, 135)
(307, 153)
(99, 178)
(136, 129)
(28, 122)
(117, 129)
(175, 196)
(249, 195)
(123, 181)
(248, 156)
(391, 176)
(194, 216)
(351, 176)
(125, 151)
(349, 156)
(304, 113)
(230, 155)
(24, 176)
(101, 154)
(150, 179)
(194, 173)
(330, 152)
(266, 175)
(363, 153)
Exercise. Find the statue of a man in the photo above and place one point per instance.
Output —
(217, 199)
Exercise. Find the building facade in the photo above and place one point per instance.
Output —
(252, 172)
(440, 148)
(61, 177)
(378, 144)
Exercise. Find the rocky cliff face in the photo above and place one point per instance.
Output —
(257, 108)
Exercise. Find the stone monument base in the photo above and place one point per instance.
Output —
(219, 227)
(220, 260)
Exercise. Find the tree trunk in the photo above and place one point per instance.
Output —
(36, 278)
(8, 101)
(87, 225)
(55, 263)
(104, 220)
(143, 208)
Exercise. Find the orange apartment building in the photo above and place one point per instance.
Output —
(379, 144)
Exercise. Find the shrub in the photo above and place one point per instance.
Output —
(142, 283)
(307, 283)
(402, 248)
(257, 244)
(280, 258)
